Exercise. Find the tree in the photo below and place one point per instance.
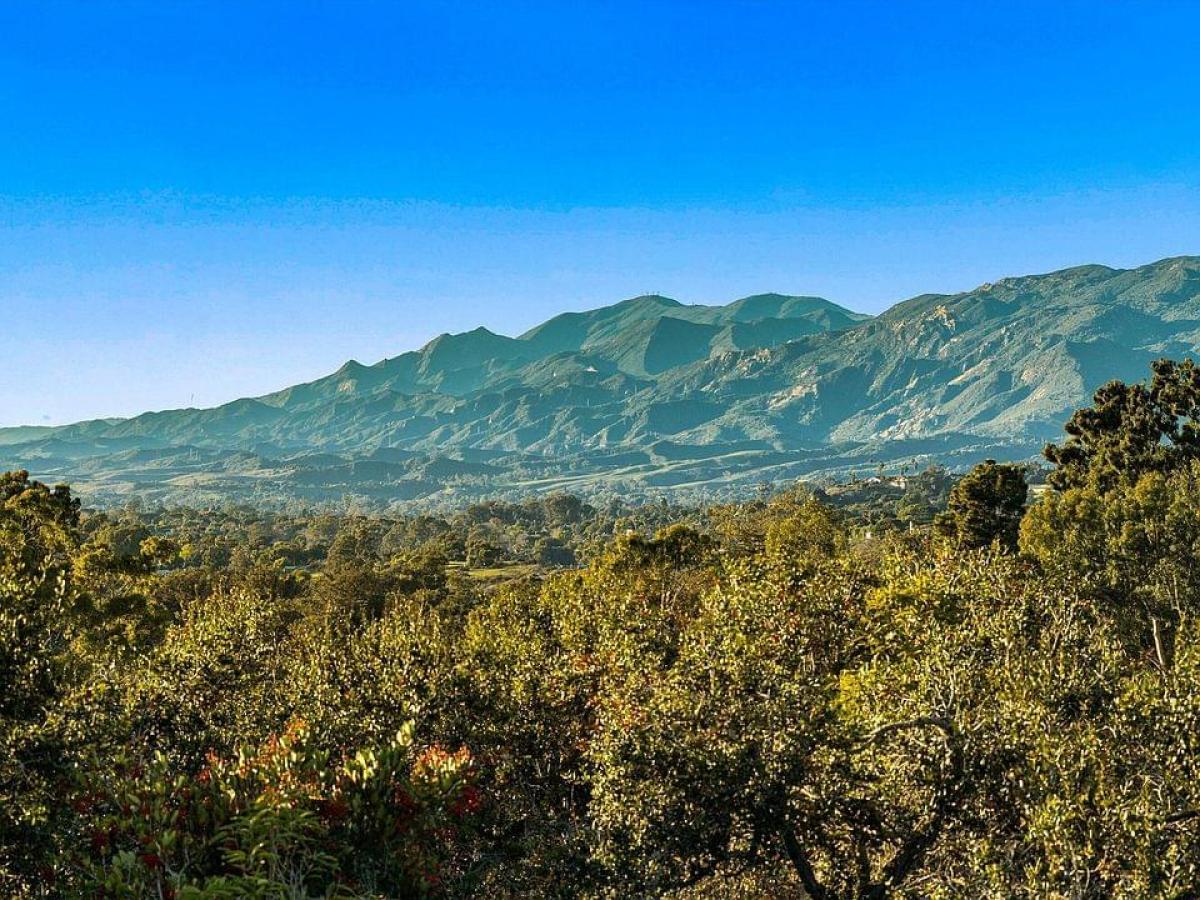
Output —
(38, 533)
(1135, 548)
(985, 506)
(482, 554)
(553, 553)
(39, 525)
(1132, 429)
(924, 493)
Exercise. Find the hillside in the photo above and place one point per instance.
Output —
(653, 395)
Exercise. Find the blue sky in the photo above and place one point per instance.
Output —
(201, 201)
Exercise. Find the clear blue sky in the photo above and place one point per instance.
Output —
(200, 201)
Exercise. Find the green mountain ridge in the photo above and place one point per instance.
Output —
(654, 395)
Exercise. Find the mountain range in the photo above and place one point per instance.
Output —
(653, 397)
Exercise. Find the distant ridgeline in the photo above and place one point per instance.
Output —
(651, 397)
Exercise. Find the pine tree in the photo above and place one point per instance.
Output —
(986, 506)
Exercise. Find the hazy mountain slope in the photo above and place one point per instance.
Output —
(650, 392)
(23, 434)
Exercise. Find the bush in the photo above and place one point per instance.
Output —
(280, 820)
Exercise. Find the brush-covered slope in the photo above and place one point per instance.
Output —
(1006, 360)
(653, 393)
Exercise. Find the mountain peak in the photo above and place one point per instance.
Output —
(787, 306)
(477, 333)
(647, 300)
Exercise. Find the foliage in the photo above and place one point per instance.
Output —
(985, 506)
(806, 695)
(38, 533)
(281, 821)
(1132, 429)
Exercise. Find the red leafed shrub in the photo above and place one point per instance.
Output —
(380, 821)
